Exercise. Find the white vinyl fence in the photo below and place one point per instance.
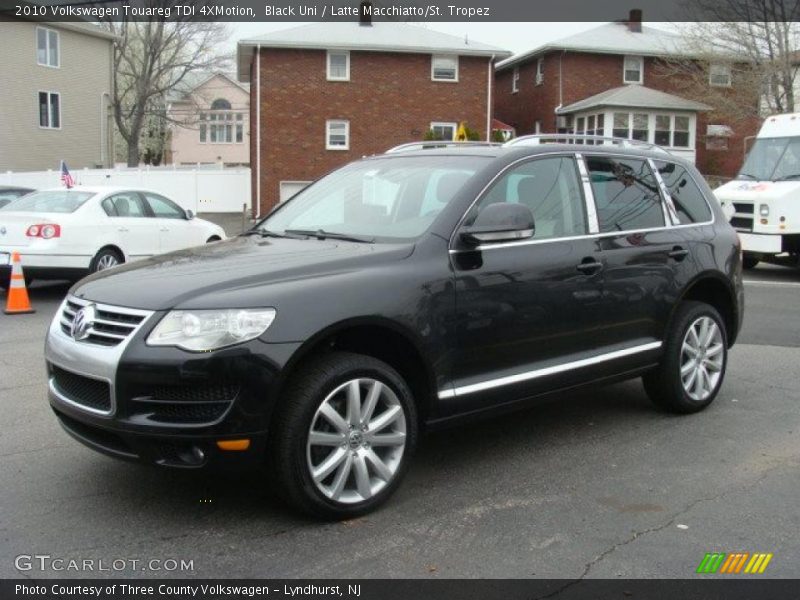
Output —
(201, 190)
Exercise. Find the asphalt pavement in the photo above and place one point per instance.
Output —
(595, 484)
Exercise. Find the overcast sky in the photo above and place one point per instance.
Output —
(516, 37)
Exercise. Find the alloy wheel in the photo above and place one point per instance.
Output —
(106, 262)
(356, 441)
(702, 358)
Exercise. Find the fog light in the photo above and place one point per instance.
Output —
(233, 445)
(198, 454)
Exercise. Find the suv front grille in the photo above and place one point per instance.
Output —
(110, 326)
(88, 392)
(187, 404)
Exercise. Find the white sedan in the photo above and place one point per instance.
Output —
(67, 233)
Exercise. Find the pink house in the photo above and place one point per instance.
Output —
(210, 122)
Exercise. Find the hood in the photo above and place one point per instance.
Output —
(757, 191)
(230, 273)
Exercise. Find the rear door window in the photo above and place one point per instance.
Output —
(127, 204)
(626, 194)
(689, 201)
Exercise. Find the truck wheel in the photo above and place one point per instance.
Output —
(695, 357)
(749, 261)
(343, 437)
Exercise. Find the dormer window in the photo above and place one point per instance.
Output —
(338, 65)
(633, 69)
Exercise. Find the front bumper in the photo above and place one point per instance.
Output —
(161, 405)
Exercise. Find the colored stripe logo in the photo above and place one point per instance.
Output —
(734, 563)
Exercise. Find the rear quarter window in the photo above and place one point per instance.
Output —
(690, 203)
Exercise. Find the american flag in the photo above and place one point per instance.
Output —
(66, 178)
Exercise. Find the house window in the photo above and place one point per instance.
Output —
(681, 134)
(719, 75)
(444, 68)
(48, 48)
(337, 135)
(515, 80)
(221, 125)
(540, 71)
(590, 125)
(338, 66)
(444, 131)
(640, 127)
(50, 110)
(537, 126)
(633, 69)
(663, 130)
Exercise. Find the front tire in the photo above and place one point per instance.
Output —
(106, 258)
(695, 358)
(344, 436)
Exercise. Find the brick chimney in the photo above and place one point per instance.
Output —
(635, 20)
(365, 14)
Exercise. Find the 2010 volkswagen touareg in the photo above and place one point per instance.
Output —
(404, 291)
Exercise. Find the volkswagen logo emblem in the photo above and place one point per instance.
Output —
(3, 230)
(82, 324)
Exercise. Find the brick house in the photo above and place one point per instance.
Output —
(612, 81)
(328, 93)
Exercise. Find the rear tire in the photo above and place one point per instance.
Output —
(695, 358)
(343, 437)
(106, 258)
(749, 262)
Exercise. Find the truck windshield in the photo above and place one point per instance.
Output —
(377, 200)
(772, 159)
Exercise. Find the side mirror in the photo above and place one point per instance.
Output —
(189, 215)
(501, 222)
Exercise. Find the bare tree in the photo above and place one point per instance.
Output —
(151, 58)
(758, 39)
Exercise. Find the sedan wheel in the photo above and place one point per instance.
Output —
(356, 441)
(105, 259)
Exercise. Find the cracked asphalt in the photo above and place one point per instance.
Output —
(595, 484)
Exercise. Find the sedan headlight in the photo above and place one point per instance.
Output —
(204, 330)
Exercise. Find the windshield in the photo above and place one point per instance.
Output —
(772, 159)
(59, 201)
(391, 199)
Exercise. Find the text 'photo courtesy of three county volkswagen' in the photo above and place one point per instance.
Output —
(402, 292)
(67, 233)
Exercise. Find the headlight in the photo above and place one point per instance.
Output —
(204, 330)
(763, 210)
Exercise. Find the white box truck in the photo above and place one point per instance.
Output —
(764, 198)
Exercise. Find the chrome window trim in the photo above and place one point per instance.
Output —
(588, 194)
(670, 214)
(580, 158)
(70, 355)
(454, 392)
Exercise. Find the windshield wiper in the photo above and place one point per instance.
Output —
(321, 234)
(746, 175)
(268, 233)
(787, 177)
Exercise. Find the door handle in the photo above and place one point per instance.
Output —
(678, 253)
(123, 229)
(165, 229)
(589, 266)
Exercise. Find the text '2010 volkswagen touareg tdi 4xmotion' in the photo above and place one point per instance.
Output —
(403, 291)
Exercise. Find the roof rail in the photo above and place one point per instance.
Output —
(432, 144)
(576, 138)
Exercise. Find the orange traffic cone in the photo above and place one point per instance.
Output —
(17, 302)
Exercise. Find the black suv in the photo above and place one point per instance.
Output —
(402, 292)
